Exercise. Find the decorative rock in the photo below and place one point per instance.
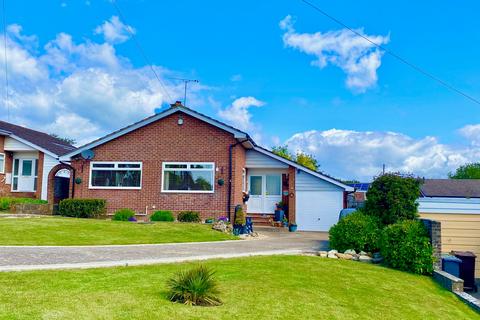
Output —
(365, 258)
(355, 257)
(332, 251)
(363, 253)
(332, 256)
(344, 256)
(220, 226)
(322, 254)
(350, 251)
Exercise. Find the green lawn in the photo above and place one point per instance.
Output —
(275, 287)
(72, 231)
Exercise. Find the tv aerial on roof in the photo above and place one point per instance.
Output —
(88, 154)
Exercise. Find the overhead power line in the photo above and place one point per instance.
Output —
(7, 105)
(393, 54)
(142, 52)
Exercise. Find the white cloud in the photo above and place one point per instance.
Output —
(357, 154)
(357, 57)
(74, 88)
(114, 30)
(238, 113)
(472, 133)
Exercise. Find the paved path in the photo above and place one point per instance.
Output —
(18, 258)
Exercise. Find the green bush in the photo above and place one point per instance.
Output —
(188, 216)
(194, 287)
(392, 198)
(123, 215)
(6, 203)
(82, 208)
(356, 231)
(162, 215)
(406, 246)
(240, 217)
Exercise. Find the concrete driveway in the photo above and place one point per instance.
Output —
(18, 258)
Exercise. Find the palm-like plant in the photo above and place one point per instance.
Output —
(195, 287)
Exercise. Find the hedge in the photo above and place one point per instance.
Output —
(188, 216)
(6, 203)
(123, 215)
(356, 231)
(162, 215)
(406, 246)
(82, 208)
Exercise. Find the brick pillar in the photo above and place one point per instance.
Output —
(41, 157)
(291, 194)
(435, 232)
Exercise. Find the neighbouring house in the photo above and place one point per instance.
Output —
(357, 199)
(180, 160)
(455, 203)
(29, 163)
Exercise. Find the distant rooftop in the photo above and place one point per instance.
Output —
(362, 186)
(451, 188)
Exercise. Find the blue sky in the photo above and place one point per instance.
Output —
(73, 64)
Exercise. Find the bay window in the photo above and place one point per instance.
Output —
(115, 175)
(193, 177)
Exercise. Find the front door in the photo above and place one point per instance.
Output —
(24, 175)
(265, 193)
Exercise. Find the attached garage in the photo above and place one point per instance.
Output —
(314, 199)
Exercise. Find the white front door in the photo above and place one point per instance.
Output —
(265, 193)
(24, 175)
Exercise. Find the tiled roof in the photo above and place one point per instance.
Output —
(454, 188)
(40, 139)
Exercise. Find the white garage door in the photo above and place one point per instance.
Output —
(318, 210)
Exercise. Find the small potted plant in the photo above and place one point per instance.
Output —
(239, 225)
(292, 227)
(279, 213)
(209, 220)
(285, 222)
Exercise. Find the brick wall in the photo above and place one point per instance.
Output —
(162, 141)
(435, 232)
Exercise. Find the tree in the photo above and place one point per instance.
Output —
(64, 139)
(307, 160)
(283, 152)
(467, 171)
(392, 198)
(301, 158)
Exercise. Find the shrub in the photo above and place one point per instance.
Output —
(188, 216)
(123, 215)
(392, 198)
(194, 287)
(82, 208)
(406, 246)
(162, 215)
(240, 217)
(356, 231)
(6, 203)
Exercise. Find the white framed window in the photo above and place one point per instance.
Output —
(188, 177)
(115, 175)
(2, 163)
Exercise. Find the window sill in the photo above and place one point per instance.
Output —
(188, 191)
(115, 188)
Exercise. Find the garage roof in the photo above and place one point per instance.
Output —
(452, 188)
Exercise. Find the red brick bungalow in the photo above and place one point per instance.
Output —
(183, 160)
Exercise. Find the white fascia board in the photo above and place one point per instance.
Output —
(300, 167)
(237, 134)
